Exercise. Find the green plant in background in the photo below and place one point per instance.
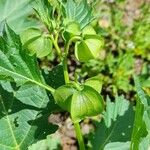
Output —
(29, 94)
(142, 34)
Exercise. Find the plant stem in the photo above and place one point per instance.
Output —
(55, 42)
(66, 76)
(75, 38)
(79, 136)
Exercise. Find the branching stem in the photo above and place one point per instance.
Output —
(55, 42)
(66, 75)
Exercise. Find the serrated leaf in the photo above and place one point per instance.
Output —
(44, 11)
(15, 115)
(113, 110)
(16, 63)
(117, 129)
(79, 12)
(16, 14)
(24, 113)
(142, 117)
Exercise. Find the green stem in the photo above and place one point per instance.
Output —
(55, 42)
(79, 136)
(49, 88)
(66, 76)
(65, 69)
(75, 38)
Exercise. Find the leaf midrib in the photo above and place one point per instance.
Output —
(31, 125)
(13, 10)
(49, 88)
(18, 145)
(108, 136)
(8, 121)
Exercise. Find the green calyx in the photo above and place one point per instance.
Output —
(80, 102)
(88, 30)
(85, 103)
(71, 29)
(90, 46)
(36, 42)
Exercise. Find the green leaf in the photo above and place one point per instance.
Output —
(50, 143)
(113, 110)
(6, 85)
(145, 143)
(139, 129)
(79, 12)
(88, 102)
(18, 113)
(16, 63)
(142, 117)
(44, 11)
(115, 126)
(16, 13)
(118, 146)
(25, 108)
(24, 112)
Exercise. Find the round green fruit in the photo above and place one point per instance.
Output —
(85, 103)
(36, 43)
(89, 48)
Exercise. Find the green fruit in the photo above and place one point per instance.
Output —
(63, 95)
(29, 34)
(85, 103)
(81, 102)
(36, 43)
(41, 46)
(88, 48)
